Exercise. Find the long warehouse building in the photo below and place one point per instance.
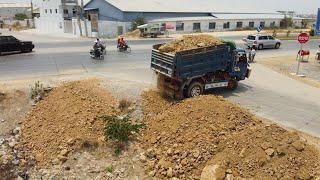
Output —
(110, 18)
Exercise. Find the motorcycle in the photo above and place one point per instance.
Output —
(99, 55)
(124, 48)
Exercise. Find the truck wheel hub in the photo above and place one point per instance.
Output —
(196, 91)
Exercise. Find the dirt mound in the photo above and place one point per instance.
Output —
(136, 33)
(189, 42)
(182, 138)
(66, 120)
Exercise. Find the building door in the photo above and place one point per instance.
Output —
(120, 30)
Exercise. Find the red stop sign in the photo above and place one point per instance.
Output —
(303, 38)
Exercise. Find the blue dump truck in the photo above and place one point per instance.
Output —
(190, 73)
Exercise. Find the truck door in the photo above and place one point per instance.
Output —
(3, 44)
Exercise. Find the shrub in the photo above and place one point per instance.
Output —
(109, 169)
(137, 22)
(312, 32)
(37, 92)
(20, 16)
(119, 129)
(286, 22)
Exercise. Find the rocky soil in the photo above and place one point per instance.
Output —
(188, 42)
(208, 137)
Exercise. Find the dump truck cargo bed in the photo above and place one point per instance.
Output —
(191, 63)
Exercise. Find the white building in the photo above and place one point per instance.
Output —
(115, 16)
(9, 10)
(56, 15)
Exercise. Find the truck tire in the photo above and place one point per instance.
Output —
(232, 84)
(195, 89)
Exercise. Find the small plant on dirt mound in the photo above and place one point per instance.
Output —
(120, 129)
(38, 91)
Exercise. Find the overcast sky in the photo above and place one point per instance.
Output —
(301, 6)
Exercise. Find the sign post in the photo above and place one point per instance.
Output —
(302, 39)
(317, 28)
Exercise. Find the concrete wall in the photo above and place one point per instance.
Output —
(9, 13)
(109, 29)
(188, 25)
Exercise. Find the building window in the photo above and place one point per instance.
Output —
(56, 11)
(74, 11)
(239, 24)
(65, 11)
(212, 25)
(273, 24)
(251, 24)
(196, 26)
(46, 11)
(226, 25)
(50, 11)
(179, 26)
(262, 24)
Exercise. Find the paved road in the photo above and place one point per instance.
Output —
(268, 93)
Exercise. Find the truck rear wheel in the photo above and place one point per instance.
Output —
(232, 84)
(195, 89)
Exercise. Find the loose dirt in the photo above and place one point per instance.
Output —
(189, 42)
(13, 106)
(133, 34)
(66, 120)
(183, 138)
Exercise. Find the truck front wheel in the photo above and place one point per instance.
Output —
(232, 84)
(195, 89)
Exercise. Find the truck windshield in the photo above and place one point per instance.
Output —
(251, 37)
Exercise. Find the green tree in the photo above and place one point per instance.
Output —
(286, 22)
(21, 16)
(304, 23)
(137, 22)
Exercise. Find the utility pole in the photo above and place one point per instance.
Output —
(31, 9)
(78, 17)
(84, 20)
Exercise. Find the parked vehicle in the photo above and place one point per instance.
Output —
(153, 30)
(262, 41)
(11, 44)
(98, 54)
(318, 54)
(189, 73)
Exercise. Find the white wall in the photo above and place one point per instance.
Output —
(109, 29)
(188, 25)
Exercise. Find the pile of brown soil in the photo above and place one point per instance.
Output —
(135, 34)
(182, 138)
(66, 120)
(189, 42)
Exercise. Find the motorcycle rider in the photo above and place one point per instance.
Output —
(122, 43)
(100, 44)
(318, 54)
(96, 49)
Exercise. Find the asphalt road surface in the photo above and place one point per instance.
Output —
(267, 93)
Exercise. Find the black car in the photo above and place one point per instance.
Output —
(12, 44)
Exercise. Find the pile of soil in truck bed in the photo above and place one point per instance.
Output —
(183, 138)
(188, 42)
(66, 120)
